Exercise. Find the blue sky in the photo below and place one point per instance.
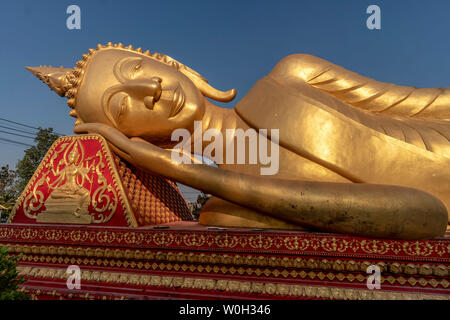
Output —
(232, 43)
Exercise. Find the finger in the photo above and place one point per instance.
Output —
(87, 127)
(114, 136)
(138, 139)
(80, 128)
(121, 154)
(100, 129)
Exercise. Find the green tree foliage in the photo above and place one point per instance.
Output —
(8, 192)
(33, 156)
(10, 280)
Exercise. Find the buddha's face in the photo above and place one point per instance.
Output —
(138, 95)
(72, 158)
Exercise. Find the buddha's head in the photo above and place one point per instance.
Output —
(73, 157)
(141, 94)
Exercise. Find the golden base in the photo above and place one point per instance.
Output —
(49, 217)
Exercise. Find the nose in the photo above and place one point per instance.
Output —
(155, 92)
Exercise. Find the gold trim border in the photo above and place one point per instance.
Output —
(230, 286)
(236, 271)
(440, 270)
(434, 250)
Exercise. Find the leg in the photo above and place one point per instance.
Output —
(218, 212)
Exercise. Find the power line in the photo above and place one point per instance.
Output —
(23, 131)
(20, 124)
(17, 134)
(26, 125)
(11, 144)
(16, 142)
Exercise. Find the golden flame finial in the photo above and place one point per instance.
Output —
(58, 79)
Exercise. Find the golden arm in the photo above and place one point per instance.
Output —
(359, 209)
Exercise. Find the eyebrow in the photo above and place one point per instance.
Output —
(118, 68)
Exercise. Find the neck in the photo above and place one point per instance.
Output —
(214, 118)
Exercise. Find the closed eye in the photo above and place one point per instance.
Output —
(136, 70)
(123, 105)
(117, 106)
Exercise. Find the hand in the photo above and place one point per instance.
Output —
(134, 150)
(120, 143)
(145, 155)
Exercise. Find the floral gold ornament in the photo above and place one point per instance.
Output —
(357, 156)
(69, 199)
(179, 238)
(80, 181)
(71, 185)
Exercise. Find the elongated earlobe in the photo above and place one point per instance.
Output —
(209, 91)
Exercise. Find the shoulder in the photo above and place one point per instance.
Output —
(300, 66)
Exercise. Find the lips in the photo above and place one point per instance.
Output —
(175, 98)
(115, 103)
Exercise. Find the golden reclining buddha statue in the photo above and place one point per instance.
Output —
(356, 156)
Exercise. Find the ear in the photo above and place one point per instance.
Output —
(209, 91)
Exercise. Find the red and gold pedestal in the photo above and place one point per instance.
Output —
(189, 261)
(133, 241)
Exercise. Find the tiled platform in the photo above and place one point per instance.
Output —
(186, 260)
